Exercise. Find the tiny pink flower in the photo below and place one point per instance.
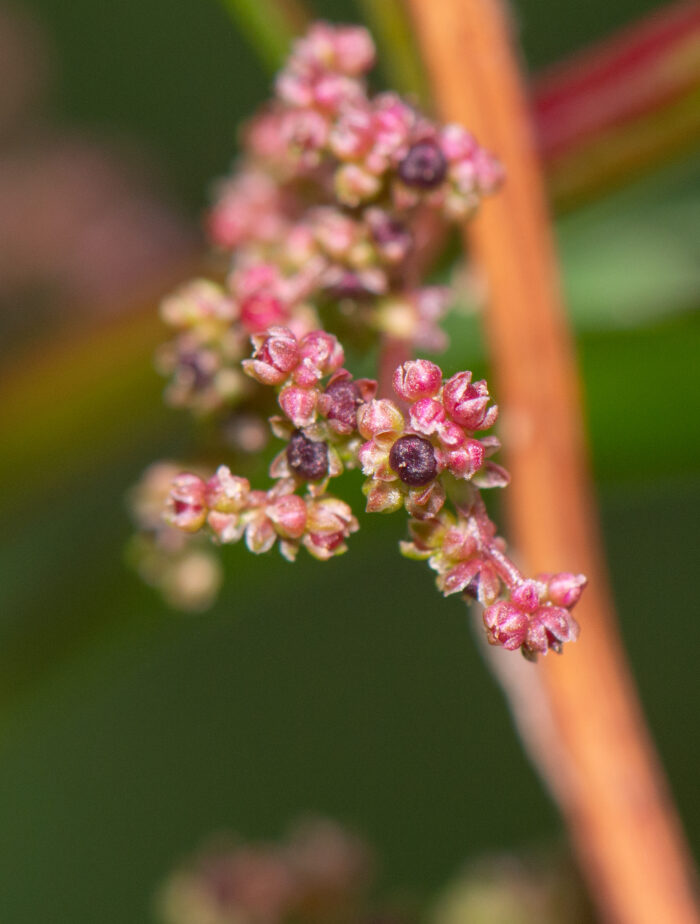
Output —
(379, 416)
(427, 416)
(330, 523)
(260, 533)
(353, 50)
(456, 142)
(506, 625)
(527, 596)
(227, 493)
(276, 355)
(259, 312)
(475, 578)
(197, 302)
(383, 497)
(465, 460)
(564, 589)
(288, 514)
(353, 185)
(550, 627)
(186, 507)
(467, 402)
(299, 404)
(227, 527)
(416, 379)
(319, 354)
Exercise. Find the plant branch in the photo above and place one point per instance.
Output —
(621, 819)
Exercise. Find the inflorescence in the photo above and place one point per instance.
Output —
(322, 226)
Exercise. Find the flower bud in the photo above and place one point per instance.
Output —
(197, 301)
(467, 402)
(416, 379)
(276, 355)
(288, 513)
(227, 493)
(550, 627)
(461, 578)
(506, 625)
(227, 527)
(379, 416)
(427, 415)
(565, 589)
(320, 354)
(299, 404)
(260, 312)
(353, 185)
(330, 522)
(186, 505)
(526, 596)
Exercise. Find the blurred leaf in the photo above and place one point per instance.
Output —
(635, 257)
(621, 105)
(269, 25)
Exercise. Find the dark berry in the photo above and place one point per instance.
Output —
(343, 404)
(307, 459)
(424, 166)
(413, 460)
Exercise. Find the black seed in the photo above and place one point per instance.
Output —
(413, 460)
(307, 459)
(424, 166)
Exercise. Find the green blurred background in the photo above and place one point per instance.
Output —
(129, 733)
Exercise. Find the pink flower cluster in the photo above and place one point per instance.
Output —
(323, 120)
(318, 874)
(532, 615)
(405, 459)
(321, 211)
(330, 213)
(186, 572)
(532, 619)
(226, 504)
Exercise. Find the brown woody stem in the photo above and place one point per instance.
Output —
(603, 772)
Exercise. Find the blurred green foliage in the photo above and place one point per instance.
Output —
(128, 733)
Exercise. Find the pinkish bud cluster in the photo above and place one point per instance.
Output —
(229, 508)
(181, 566)
(405, 456)
(321, 211)
(318, 874)
(532, 615)
(330, 213)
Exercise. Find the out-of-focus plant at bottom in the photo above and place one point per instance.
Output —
(321, 873)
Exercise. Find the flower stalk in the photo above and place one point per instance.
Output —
(606, 778)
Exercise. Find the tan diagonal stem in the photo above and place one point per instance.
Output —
(605, 774)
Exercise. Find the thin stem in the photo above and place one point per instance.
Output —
(391, 28)
(619, 813)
